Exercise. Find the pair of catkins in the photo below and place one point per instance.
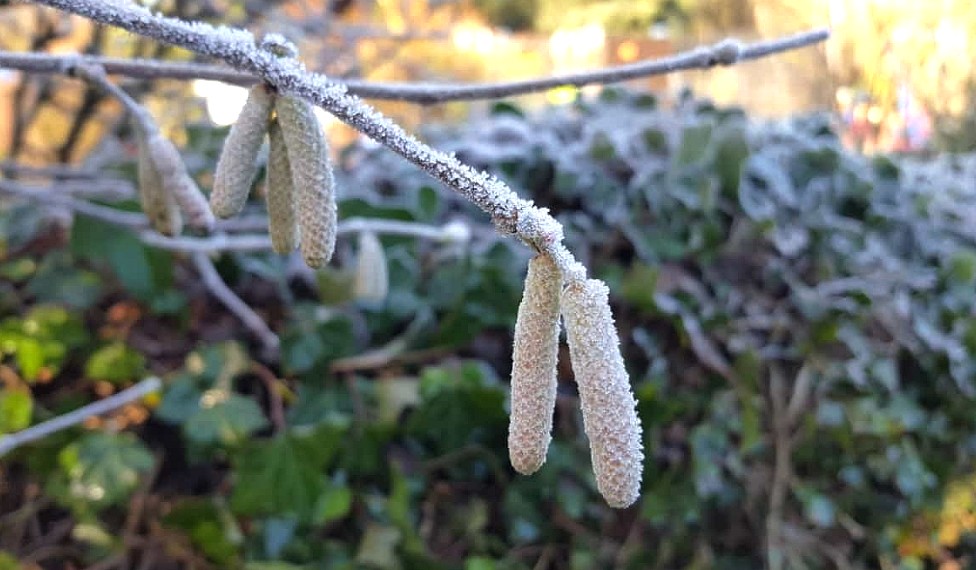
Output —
(300, 189)
(609, 409)
(166, 190)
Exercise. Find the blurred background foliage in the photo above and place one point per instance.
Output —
(798, 320)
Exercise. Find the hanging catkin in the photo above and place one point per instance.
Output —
(158, 204)
(176, 181)
(280, 195)
(308, 154)
(609, 415)
(536, 350)
(372, 281)
(237, 164)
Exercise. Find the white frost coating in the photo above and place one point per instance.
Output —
(288, 76)
(609, 409)
(534, 355)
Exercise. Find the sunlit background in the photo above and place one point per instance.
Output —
(897, 74)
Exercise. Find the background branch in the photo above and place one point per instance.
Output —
(215, 284)
(12, 441)
(455, 232)
(725, 52)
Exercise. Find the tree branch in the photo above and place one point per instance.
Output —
(12, 441)
(726, 52)
(456, 232)
(215, 284)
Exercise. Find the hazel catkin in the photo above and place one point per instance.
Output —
(237, 164)
(176, 181)
(535, 352)
(280, 194)
(372, 280)
(308, 154)
(609, 409)
(158, 204)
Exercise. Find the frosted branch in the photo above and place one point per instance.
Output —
(12, 441)
(725, 52)
(512, 215)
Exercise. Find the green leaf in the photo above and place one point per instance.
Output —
(115, 363)
(202, 522)
(16, 407)
(280, 476)
(334, 503)
(30, 357)
(479, 563)
(8, 561)
(122, 251)
(223, 417)
(694, 144)
(102, 469)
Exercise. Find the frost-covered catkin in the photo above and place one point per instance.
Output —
(158, 204)
(372, 281)
(282, 220)
(312, 176)
(177, 182)
(536, 350)
(609, 410)
(238, 160)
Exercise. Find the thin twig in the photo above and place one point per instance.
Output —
(725, 52)
(12, 441)
(220, 242)
(95, 75)
(112, 216)
(215, 284)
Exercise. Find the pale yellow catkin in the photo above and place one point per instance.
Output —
(372, 280)
(237, 164)
(609, 409)
(280, 195)
(308, 153)
(534, 357)
(177, 182)
(159, 205)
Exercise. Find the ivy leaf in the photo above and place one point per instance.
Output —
(102, 469)
(279, 476)
(333, 504)
(223, 417)
(115, 363)
(16, 407)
